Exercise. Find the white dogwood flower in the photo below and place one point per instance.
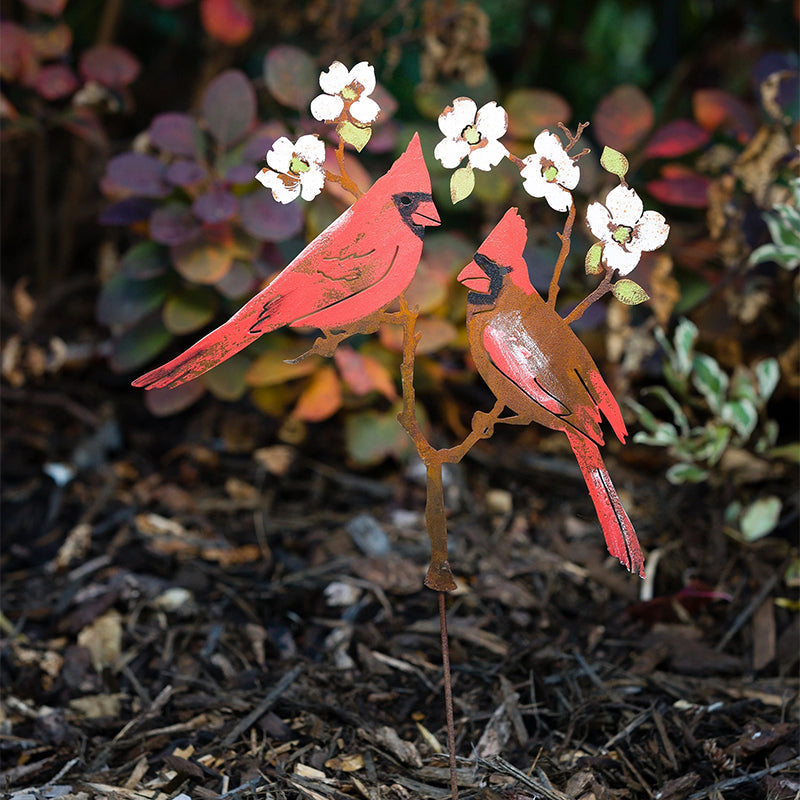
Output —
(549, 172)
(624, 230)
(296, 169)
(473, 133)
(346, 90)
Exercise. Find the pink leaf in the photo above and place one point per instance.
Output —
(178, 134)
(55, 81)
(623, 118)
(228, 21)
(229, 106)
(109, 65)
(676, 138)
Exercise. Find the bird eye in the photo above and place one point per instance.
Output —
(405, 200)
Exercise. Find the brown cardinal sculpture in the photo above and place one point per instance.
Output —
(341, 282)
(534, 363)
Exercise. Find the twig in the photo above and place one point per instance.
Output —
(749, 610)
(552, 292)
(730, 783)
(603, 288)
(448, 695)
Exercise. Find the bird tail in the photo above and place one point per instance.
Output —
(617, 528)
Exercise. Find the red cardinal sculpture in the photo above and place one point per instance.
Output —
(534, 363)
(342, 281)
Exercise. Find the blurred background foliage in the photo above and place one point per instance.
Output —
(131, 131)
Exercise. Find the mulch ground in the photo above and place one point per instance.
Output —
(194, 608)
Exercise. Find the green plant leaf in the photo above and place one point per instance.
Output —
(139, 344)
(715, 439)
(227, 380)
(686, 335)
(593, 257)
(709, 379)
(124, 301)
(678, 414)
(629, 292)
(373, 436)
(760, 518)
(355, 135)
(462, 182)
(768, 373)
(742, 414)
(686, 473)
(189, 309)
(270, 368)
(144, 260)
(201, 262)
(165, 402)
(614, 162)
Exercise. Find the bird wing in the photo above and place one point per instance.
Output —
(550, 373)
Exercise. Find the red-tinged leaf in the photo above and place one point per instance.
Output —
(227, 380)
(266, 219)
(137, 173)
(372, 436)
(55, 81)
(189, 309)
(271, 369)
(291, 75)
(675, 139)
(239, 282)
(109, 65)
(216, 205)
(690, 191)
(83, 123)
(176, 133)
(144, 260)
(53, 8)
(138, 345)
(227, 21)
(716, 109)
(17, 57)
(436, 334)
(530, 111)
(127, 211)
(229, 106)
(166, 402)
(187, 174)
(54, 41)
(623, 117)
(322, 398)
(364, 374)
(124, 300)
(173, 224)
(201, 262)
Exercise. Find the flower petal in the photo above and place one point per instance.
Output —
(455, 118)
(651, 232)
(533, 181)
(598, 219)
(488, 156)
(492, 121)
(364, 73)
(569, 173)
(280, 191)
(310, 148)
(335, 79)
(280, 155)
(451, 152)
(624, 205)
(365, 110)
(326, 108)
(558, 198)
(311, 183)
(620, 259)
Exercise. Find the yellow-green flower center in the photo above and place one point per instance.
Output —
(622, 235)
(351, 92)
(297, 165)
(471, 135)
(550, 173)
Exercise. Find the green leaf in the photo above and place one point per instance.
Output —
(227, 380)
(742, 414)
(355, 135)
(202, 262)
(709, 379)
(462, 182)
(189, 309)
(768, 373)
(614, 162)
(678, 414)
(686, 473)
(629, 292)
(759, 518)
(124, 301)
(372, 436)
(592, 261)
(716, 440)
(789, 452)
(139, 344)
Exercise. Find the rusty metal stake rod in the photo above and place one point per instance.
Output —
(448, 695)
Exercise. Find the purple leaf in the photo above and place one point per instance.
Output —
(229, 106)
(266, 219)
(138, 173)
(110, 66)
(291, 75)
(127, 211)
(55, 81)
(173, 224)
(262, 140)
(178, 134)
(185, 173)
(241, 174)
(239, 281)
(216, 205)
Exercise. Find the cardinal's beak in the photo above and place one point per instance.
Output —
(474, 278)
(426, 214)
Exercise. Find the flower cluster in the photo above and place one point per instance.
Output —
(296, 168)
